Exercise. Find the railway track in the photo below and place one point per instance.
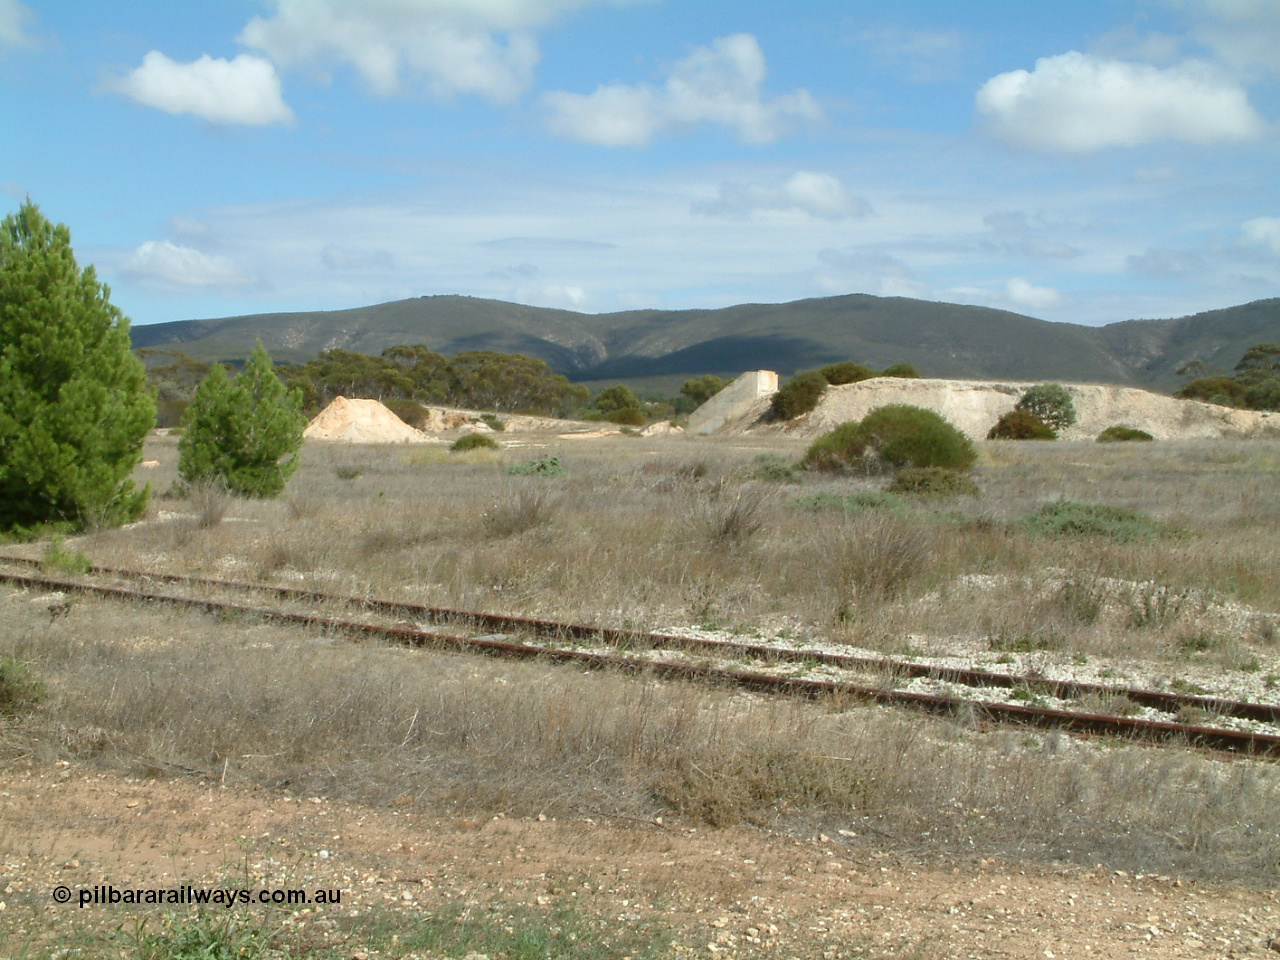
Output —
(717, 661)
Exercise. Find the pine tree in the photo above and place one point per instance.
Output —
(74, 407)
(242, 433)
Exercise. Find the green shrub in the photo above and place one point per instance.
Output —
(1021, 425)
(244, 433)
(410, 411)
(542, 467)
(627, 417)
(933, 483)
(58, 556)
(846, 371)
(347, 472)
(1120, 434)
(474, 441)
(1050, 403)
(799, 395)
(1224, 391)
(701, 389)
(20, 687)
(903, 370)
(1066, 518)
(617, 397)
(493, 421)
(890, 438)
(772, 468)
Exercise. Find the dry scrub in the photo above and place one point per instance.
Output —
(160, 692)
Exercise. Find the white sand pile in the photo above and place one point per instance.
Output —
(974, 406)
(361, 421)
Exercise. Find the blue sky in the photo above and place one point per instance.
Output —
(1089, 162)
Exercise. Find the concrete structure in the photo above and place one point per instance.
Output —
(735, 400)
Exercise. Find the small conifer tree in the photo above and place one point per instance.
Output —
(74, 407)
(242, 433)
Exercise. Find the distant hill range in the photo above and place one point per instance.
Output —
(940, 339)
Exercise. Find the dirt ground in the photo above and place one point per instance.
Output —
(733, 892)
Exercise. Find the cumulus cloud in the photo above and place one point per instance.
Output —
(720, 83)
(178, 266)
(1077, 103)
(816, 194)
(15, 22)
(1026, 294)
(245, 90)
(868, 271)
(1264, 231)
(453, 45)
(1163, 263)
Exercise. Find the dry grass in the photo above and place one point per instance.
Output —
(161, 692)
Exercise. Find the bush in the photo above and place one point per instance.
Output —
(411, 412)
(20, 688)
(493, 422)
(628, 417)
(1021, 425)
(240, 432)
(701, 389)
(933, 483)
(773, 469)
(74, 407)
(846, 371)
(891, 438)
(1120, 434)
(58, 556)
(903, 370)
(617, 397)
(860, 501)
(543, 467)
(474, 441)
(1066, 518)
(1224, 391)
(1051, 404)
(799, 395)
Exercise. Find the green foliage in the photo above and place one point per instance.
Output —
(478, 379)
(1260, 362)
(772, 468)
(933, 483)
(1263, 395)
(20, 687)
(174, 383)
(58, 556)
(213, 936)
(474, 441)
(542, 467)
(1021, 425)
(1224, 391)
(1119, 434)
(701, 389)
(904, 370)
(846, 371)
(858, 502)
(74, 407)
(493, 422)
(1066, 518)
(627, 417)
(890, 438)
(799, 395)
(243, 433)
(1051, 404)
(410, 411)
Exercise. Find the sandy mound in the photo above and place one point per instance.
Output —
(974, 406)
(361, 421)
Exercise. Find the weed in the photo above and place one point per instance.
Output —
(1193, 644)
(210, 501)
(861, 501)
(1081, 599)
(771, 468)
(878, 555)
(1153, 607)
(474, 441)
(58, 556)
(206, 937)
(542, 467)
(933, 483)
(1065, 518)
(1186, 687)
(21, 688)
(730, 513)
(519, 512)
(347, 472)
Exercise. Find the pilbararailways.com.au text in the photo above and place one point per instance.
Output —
(108, 894)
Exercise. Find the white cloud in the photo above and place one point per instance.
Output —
(1242, 33)
(868, 271)
(1163, 263)
(451, 44)
(1264, 231)
(1026, 294)
(925, 56)
(816, 194)
(181, 266)
(1077, 103)
(15, 19)
(245, 90)
(720, 83)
